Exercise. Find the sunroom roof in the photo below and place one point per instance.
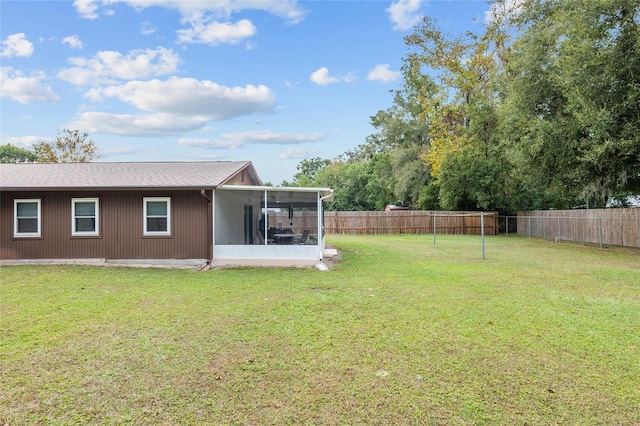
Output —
(325, 193)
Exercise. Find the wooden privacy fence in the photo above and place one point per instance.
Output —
(410, 222)
(300, 220)
(620, 227)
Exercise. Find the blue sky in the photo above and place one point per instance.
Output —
(273, 82)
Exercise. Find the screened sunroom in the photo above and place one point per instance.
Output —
(269, 225)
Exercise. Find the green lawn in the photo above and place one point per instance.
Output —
(399, 332)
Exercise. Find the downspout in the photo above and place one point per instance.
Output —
(321, 224)
(327, 196)
(204, 195)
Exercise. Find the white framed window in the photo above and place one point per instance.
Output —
(157, 216)
(85, 217)
(27, 218)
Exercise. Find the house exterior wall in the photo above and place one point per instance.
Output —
(121, 227)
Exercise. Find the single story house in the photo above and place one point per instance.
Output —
(214, 212)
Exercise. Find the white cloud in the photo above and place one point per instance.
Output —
(86, 8)
(348, 77)
(147, 28)
(214, 33)
(191, 97)
(73, 41)
(199, 143)
(25, 89)
(173, 107)
(94, 94)
(16, 45)
(321, 77)
(121, 150)
(160, 124)
(404, 14)
(25, 141)
(110, 66)
(298, 153)
(382, 72)
(262, 137)
(203, 9)
(206, 21)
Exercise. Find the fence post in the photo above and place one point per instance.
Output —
(600, 228)
(434, 228)
(482, 226)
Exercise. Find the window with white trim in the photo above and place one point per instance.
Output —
(85, 219)
(27, 218)
(157, 216)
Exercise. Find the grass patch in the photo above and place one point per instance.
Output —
(399, 332)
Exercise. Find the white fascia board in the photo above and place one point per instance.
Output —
(326, 193)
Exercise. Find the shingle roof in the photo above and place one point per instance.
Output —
(125, 176)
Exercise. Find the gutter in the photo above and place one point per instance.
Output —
(327, 191)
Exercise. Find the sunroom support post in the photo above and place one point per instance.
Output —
(212, 218)
(266, 218)
(320, 238)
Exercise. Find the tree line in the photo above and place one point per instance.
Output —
(70, 146)
(540, 110)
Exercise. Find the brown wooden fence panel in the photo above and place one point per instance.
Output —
(620, 227)
(409, 222)
(300, 221)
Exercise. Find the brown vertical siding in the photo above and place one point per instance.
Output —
(121, 228)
